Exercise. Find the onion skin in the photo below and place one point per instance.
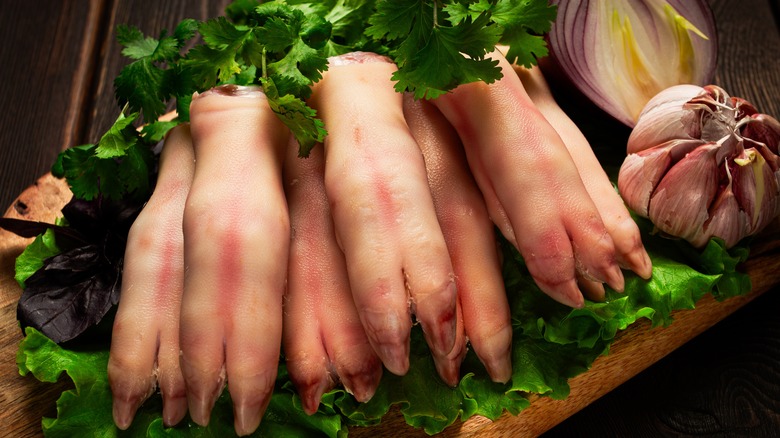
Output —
(621, 82)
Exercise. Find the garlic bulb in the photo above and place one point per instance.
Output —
(702, 164)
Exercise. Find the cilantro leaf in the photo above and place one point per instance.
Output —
(119, 138)
(434, 57)
(525, 22)
(535, 16)
(300, 118)
(349, 18)
(141, 85)
(524, 48)
(144, 83)
(215, 60)
(155, 132)
(298, 69)
(239, 11)
(292, 41)
(119, 165)
(440, 65)
(394, 19)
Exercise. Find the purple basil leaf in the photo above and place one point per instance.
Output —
(22, 227)
(77, 288)
(72, 292)
(97, 216)
(25, 228)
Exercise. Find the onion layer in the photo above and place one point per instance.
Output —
(621, 53)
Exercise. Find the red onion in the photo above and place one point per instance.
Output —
(621, 53)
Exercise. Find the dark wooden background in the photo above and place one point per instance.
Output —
(57, 63)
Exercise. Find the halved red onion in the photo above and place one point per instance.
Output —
(621, 53)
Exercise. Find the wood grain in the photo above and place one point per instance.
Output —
(47, 56)
(24, 402)
(749, 51)
(723, 383)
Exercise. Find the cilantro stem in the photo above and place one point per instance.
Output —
(263, 64)
(435, 13)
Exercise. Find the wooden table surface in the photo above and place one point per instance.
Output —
(57, 63)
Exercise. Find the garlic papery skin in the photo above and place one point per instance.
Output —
(703, 164)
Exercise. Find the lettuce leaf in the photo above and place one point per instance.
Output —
(551, 344)
(86, 410)
(31, 259)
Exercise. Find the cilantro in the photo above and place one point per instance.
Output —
(120, 137)
(239, 10)
(119, 165)
(428, 49)
(298, 116)
(294, 40)
(523, 24)
(286, 43)
(155, 132)
(281, 43)
(437, 49)
(146, 83)
(215, 60)
(349, 18)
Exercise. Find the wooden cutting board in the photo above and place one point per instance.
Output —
(24, 401)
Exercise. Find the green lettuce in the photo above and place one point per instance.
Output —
(551, 344)
(31, 259)
(86, 410)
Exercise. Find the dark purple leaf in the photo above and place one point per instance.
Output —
(77, 288)
(72, 292)
(97, 217)
(25, 228)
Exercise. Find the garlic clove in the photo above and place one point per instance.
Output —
(641, 172)
(763, 129)
(756, 188)
(770, 204)
(726, 221)
(639, 175)
(680, 202)
(743, 107)
(661, 120)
